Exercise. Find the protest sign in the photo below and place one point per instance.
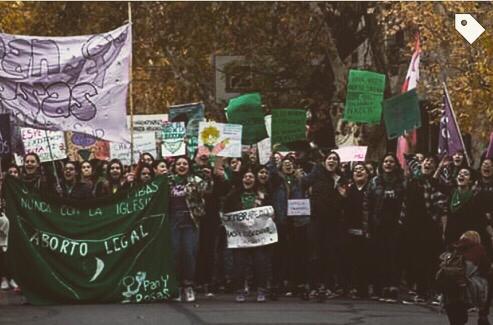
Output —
(247, 111)
(299, 207)
(82, 146)
(288, 125)
(364, 97)
(96, 251)
(352, 153)
(173, 139)
(220, 139)
(264, 151)
(5, 144)
(148, 123)
(250, 228)
(191, 114)
(401, 113)
(75, 83)
(36, 141)
(268, 124)
(143, 142)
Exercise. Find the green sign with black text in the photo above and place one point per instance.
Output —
(114, 249)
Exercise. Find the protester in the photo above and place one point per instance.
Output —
(32, 176)
(356, 243)
(384, 204)
(144, 174)
(247, 197)
(88, 177)
(457, 299)
(326, 186)
(70, 187)
(160, 167)
(186, 208)
(115, 182)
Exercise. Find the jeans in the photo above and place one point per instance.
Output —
(184, 241)
(261, 265)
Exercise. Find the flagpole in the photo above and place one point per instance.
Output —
(457, 124)
(52, 160)
(131, 94)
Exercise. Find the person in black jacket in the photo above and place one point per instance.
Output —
(326, 186)
(70, 187)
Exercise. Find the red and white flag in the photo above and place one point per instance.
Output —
(406, 143)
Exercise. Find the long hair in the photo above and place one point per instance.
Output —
(397, 169)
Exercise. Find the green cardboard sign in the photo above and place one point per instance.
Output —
(247, 111)
(288, 125)
(401, 113)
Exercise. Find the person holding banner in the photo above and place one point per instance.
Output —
(31, 176)
(144, 174)
(186, 208)
(383, 208)
(327, 189)
(70, 187)
(246, 197)
(115, 181)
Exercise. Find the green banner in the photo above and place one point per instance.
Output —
(247, 111)
(401, 113)
(364, 97)
(114, 249)
(288, 125)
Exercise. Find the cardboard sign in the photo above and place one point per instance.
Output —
(299, 207)
(220, 139)
(401, 113)
(352, 153)
(247, 110)
(36, 140)
(288, 125)
(82, 146)
(173, 139)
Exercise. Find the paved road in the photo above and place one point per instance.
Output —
(222, 310)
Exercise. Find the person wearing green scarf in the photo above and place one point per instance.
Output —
(464, 210)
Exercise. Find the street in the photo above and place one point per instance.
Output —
(222, 310)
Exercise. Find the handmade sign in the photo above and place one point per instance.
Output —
(143, 142)
(250, 228)
(247, 111)
(173, 139)
(82, 146)
(191, 114)
(401, 113)
(148, 123)
(288, 125)
(352, 153)
(5, 144)
(37, 141)
(220, 139)
(299, 207)
(96, 251)
(75, 83)
(264, 151)
(364, 97)
(268, 124)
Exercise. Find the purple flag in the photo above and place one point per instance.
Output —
(489, 152)
(449, 138)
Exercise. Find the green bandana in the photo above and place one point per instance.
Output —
(248, 200)
(459, 198)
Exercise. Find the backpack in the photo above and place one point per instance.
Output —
(452, 270)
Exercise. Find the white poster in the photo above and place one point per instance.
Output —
(143, 142)
(250, 228)
(268, 124)
(173, 139)
(264, 151)
(36, 141)
(299, 207)
(73, 83)
(148, 123)
(220, 139)
(352, 153)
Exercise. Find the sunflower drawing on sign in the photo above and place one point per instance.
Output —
(210, 139)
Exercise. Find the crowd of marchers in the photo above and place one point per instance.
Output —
(376, 229)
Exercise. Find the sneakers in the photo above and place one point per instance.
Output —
(5, 284)
(321, 295)
(189, 294)
(261, 296)
(13, 284)
(241, 297)
(179, 297)
(393, 295)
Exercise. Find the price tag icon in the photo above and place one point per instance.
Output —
(468, 27)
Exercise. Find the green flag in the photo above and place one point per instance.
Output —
(401, 113)
(364, 97)
(114, 249)
(288, 125)
(247, 111)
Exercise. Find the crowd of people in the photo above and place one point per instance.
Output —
(375, 229)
